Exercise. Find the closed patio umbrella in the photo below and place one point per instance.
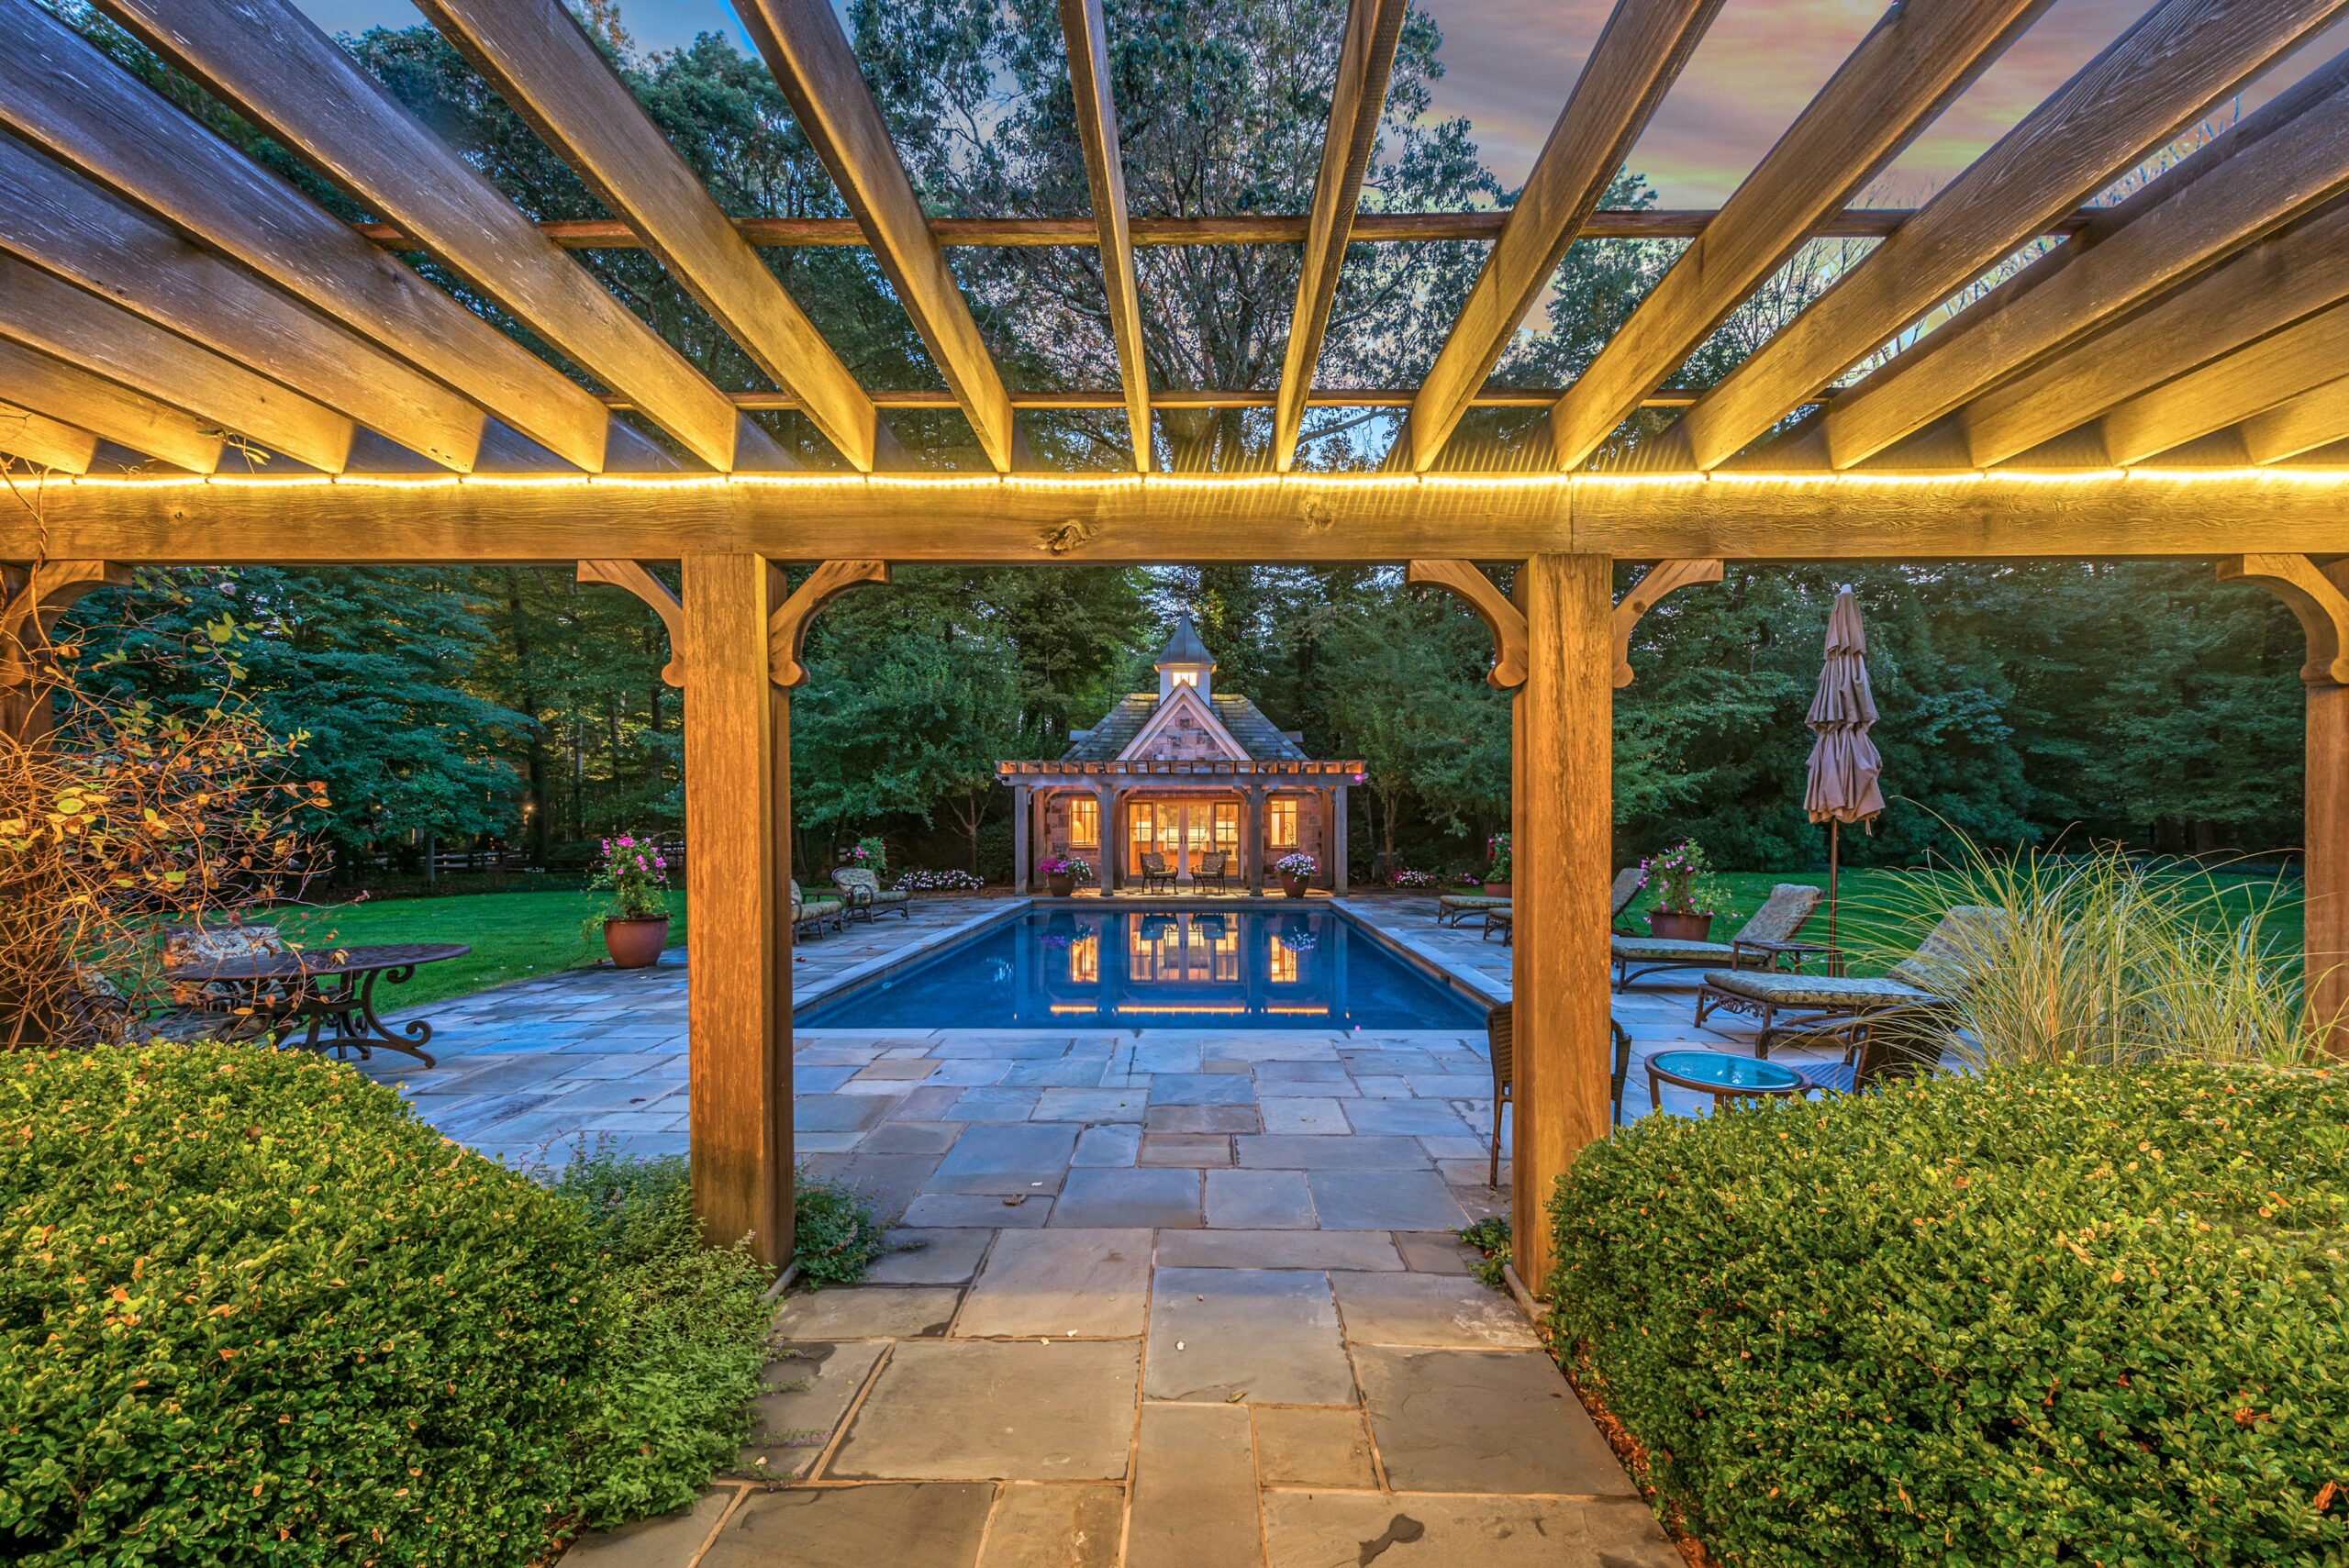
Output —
(1842, 786)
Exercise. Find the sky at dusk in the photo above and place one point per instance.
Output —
(1511, 64)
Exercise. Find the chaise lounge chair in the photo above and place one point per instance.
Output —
(812, 915)
(1781, 915)
(866, 897)
(1454, 908)
(1500, 1036)
(1924, 980)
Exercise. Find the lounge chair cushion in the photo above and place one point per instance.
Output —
(1813, 990)
(1955, 948)
(1471, 901)
(815, 908)
(1665, 949)
(1628, 883)
(1782, 914)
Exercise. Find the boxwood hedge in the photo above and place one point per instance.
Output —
(2048, 1313)
(253, 1310)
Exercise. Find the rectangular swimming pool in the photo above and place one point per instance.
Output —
(1237, 968)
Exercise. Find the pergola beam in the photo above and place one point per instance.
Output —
(1232, 229)
(58, 221)
(1088, 39)
(52, 443)
(542, 62)
(1637, 58)
(65, 97)
(2178, 58)
(2252, 379)
(2264, 289)
(1357, 100)
(812, 62)
(108, 409)
(1891, 86)
(1133, 518)
(269, 61)
(49, 314)
(2272, 167)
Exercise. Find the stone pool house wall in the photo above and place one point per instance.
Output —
(1183, 771)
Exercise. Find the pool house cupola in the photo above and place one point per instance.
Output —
(1185, 662)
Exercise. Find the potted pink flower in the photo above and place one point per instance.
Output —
(1297, 870)
(634, 873)
(1680, 893)
(1063, 872)
(1497, 880)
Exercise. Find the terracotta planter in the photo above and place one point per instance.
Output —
(1680, 927)
(1497, 890)
(1060, 886)
(1293, 885)
(636, 944)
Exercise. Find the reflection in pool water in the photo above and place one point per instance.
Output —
(1251, 969)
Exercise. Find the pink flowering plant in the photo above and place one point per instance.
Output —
(1679, 881)
(867, 853)
(636, 874)
(1498, 847)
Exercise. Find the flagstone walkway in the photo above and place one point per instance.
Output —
(1180, 1298)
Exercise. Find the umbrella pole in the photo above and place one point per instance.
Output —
(1834, 845)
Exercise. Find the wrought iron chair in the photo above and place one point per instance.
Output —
(1500, 1035)
(1214, 871)
(1156, 875)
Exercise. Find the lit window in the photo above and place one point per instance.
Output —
(1281, 824)
(1227, 825)
(1084, 960)
(1185, 677)
(1085, 823)
(1284, 963)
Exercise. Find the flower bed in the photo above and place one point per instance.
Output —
(940, 882)
(254, 1310)
(2048, 1313)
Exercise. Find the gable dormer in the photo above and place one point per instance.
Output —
(1183, 729)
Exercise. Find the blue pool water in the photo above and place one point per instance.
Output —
(1243, 969)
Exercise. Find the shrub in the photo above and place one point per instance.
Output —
(254, 1310)
(683, 1343)
(836, 1236)
(949, 881)
(253, 1307)
(2052, 1313)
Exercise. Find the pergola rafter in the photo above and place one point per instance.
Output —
(2166, 382)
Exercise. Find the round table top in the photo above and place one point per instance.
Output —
(322, 961)
(1719, 1070)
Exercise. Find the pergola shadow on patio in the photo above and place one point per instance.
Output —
(1192, 1291)
(2164, 382)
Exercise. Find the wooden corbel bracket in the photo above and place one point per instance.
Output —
(31, 600)
(787, 628)
(1662, 579)
(633, 576)
(2314, 596)
(1503, 619)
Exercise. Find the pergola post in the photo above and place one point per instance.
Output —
(738, 867)
(1021, 805)
(1337, 839)
(31, 600)
(1562, 822)
(1252, 837)
(2319, 598)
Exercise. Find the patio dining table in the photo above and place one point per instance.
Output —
(330, 991)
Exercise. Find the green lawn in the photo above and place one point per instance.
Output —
(513, 935)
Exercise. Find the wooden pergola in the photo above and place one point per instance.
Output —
(2168, 382)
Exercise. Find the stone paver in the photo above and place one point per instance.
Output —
(1195, 1490)
(1280, 1205)
(1483, 1421)
(927, 1525)
(1061, 1284)
(994, 1409)
(1261, 1334)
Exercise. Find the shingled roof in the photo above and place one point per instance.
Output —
(1263, 740)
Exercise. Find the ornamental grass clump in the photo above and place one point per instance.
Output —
(2049, 1313)
(2104, 957)
(253, 1310)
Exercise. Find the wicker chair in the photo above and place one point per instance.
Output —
(1878, 1048)
(1156, 873)
(1500, 1034)
(1214, 871)
(1782, 915)
(867, 898)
